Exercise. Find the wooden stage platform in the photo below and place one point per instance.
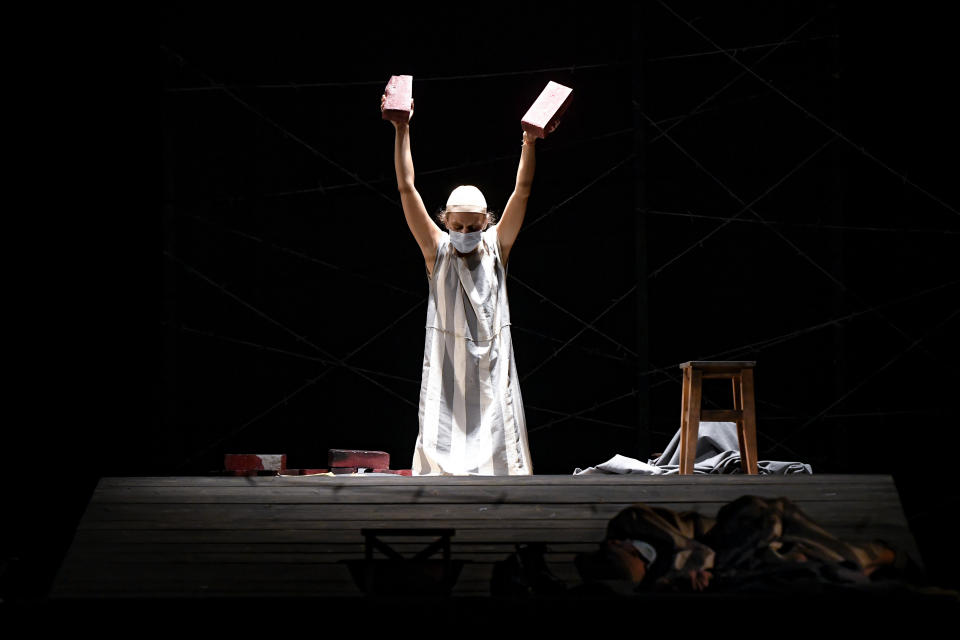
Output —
(189, 537)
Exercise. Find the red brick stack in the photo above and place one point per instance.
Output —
(342, 462)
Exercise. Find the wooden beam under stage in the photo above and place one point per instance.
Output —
(148, 537)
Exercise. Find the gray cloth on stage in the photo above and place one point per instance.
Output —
(718, 451)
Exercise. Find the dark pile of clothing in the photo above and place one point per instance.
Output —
(754, 548)
(754, 545)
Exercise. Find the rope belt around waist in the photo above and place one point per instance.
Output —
(456, 335)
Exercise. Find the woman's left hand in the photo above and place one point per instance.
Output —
(529, 138)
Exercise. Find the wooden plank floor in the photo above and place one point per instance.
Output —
(287, 536)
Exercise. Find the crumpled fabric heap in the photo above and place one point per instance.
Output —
(752, 545)
(718, 451)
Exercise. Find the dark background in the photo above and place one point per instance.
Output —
(240, 233)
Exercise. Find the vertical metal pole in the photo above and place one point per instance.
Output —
(169, 385)
(839, 456)
(639, 49)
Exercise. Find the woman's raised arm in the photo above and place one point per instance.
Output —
(425, 230)
(513, 213)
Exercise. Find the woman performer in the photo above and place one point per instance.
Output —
(471, 413)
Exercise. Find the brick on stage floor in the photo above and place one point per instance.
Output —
(343, 470)
(358, 458)
(396, 472)
(547, 109)
(253, 462)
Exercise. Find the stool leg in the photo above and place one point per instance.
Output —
(738, 406)
(684, 403)
(748, 430)
(689, 453)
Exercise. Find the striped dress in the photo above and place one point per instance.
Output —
(471, 413)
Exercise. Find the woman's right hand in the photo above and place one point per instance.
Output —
(383, 100)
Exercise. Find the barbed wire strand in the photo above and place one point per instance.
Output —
(743, 210)
(300, 356)
(340, 361)
(594, 181)
(586, 324)
(292, 354)
(672, 260)
(453, 167)
(862, 414)
(800, 252)
(324, 189)
(577, 334)
(735, 50)
(810, 225)
(598, 405)
(755, 346)
(869, 377)
(476, 76)
(299, 254)
(283, 130)
(811, 115)
(728, 84)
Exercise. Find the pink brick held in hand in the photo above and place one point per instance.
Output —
(546, 109)
(399, 94)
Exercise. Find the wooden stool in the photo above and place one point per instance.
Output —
(744, 411)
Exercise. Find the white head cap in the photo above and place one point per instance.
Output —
(466, 198)
(646, 550)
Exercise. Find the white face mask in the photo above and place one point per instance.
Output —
(465, 242)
